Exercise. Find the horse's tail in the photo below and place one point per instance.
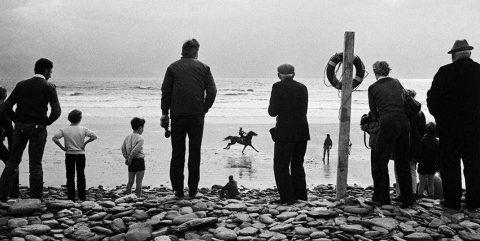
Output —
(228, 138)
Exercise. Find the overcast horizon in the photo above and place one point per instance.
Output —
(238, 39)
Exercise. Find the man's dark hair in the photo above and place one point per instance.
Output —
(190, 48)
(75, 116)
(3, 93)
(381, 68)
(431, 129)
(136, 123)
(230, 178)
(42, 65)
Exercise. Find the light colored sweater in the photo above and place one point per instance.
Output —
(133, 146)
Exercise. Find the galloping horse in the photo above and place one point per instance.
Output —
(246, 141)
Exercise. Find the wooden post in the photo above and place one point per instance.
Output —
(344, 136)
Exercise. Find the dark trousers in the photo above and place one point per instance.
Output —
(451, 150)
(4, 156)
(181, 127)
(72, 162)
(37, 137)
(288, 169)
(393, 137)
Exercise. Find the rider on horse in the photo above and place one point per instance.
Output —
(241, 133)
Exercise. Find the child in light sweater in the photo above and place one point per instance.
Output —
(74, 137)
(132, 150)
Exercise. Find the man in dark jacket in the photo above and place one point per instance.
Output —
(6, 131)
(454, 101)
(32, 97)
(385, 98)
(188, 92)
(289, 103)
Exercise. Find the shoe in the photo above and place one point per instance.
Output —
(452, 207)
(408, 204)
(277, 201)
(377, 203)
(292, 202)
(179, 194)
(397, 199)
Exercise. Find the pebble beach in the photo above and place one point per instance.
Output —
(108, 215)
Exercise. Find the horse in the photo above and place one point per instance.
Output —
(246, 141)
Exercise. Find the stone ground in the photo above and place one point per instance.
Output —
(159, 216)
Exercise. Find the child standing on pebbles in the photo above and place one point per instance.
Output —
(132, 150)
(74, 146)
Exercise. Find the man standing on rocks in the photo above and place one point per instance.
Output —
(188, 92)
(454, 101)
(32, 97)
(385, 98)
(289, 103)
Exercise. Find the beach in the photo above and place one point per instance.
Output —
(108, 104)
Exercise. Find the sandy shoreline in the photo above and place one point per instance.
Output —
(105, 165)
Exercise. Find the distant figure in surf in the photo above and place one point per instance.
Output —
(230, 190)
(246, 140)
(327, 145)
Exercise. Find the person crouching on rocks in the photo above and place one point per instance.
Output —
(230, 190)
(74, 147)
(132, 150)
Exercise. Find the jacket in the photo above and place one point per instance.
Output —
(385, 99)
(32, 97)
(454, 100)
(289, 104)
(188, 88)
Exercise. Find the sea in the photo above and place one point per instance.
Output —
(108, 104)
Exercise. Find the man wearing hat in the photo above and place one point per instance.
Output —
(288, 103)
(454, 101)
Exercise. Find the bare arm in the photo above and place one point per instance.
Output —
(91, 137)
(56, 138)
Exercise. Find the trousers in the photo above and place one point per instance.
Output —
(393, 137)
(181, 127)
(288, 170)
(36, 136)
(75, 162)
(451, 151)
(14, 188)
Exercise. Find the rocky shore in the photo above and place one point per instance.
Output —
(159, 216)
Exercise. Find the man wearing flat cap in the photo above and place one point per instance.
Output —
(289, 103)
(454, 101)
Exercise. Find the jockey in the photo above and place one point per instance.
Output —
(241, 133)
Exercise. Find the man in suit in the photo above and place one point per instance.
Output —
(454, 101)
(188, 92)
(289, 103)
(32, 97)
(385, 99)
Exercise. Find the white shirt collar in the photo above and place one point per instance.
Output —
(39, 76)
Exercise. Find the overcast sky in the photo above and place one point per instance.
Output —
(241, 38)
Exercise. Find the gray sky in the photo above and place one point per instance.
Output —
(244, 38)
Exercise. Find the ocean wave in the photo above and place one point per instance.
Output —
(144, 87)
(73, 93)
(233, 94)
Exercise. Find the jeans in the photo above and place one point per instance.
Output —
(72, 162)
(393, 137)
(288, 169)
(4, 156)
(36, 136)
(451, 151)
(181, 127)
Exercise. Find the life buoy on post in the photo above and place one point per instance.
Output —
(338, 58)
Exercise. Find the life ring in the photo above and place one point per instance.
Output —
(338, 58)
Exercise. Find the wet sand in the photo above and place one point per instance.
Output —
(105, 165)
